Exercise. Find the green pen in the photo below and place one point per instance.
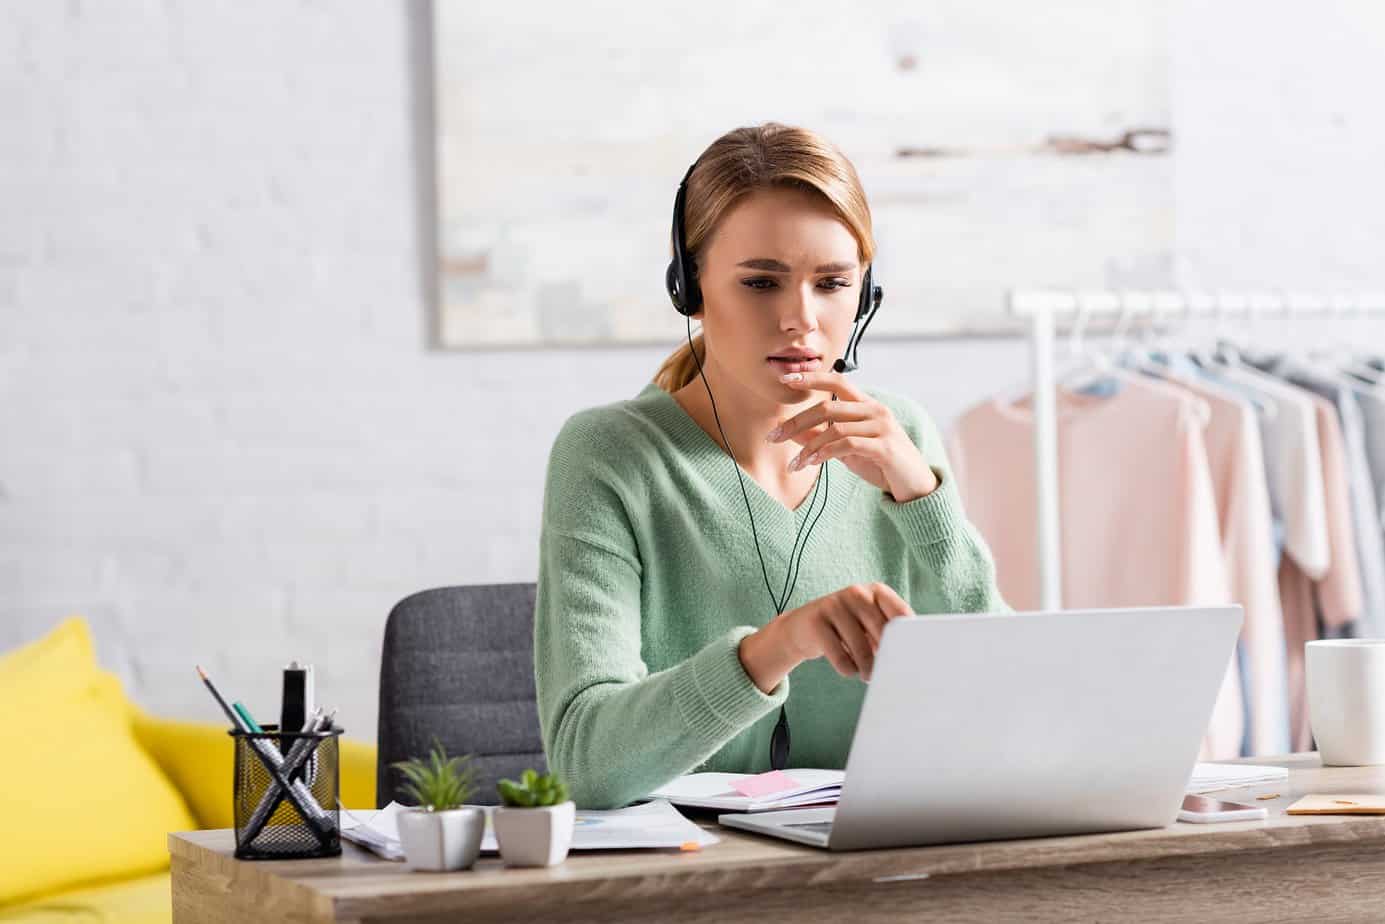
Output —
(247, 718)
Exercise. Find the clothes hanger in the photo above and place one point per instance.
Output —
(1157, 352)
(1205, 353)
(1227, 356)
(1362, 366)
(1096, 373)
(1129, 351)
(1076, 359)
(1227, 351)
(1330, 353)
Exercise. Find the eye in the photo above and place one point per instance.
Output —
(764, 283)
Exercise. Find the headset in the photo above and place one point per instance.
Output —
(683, 290)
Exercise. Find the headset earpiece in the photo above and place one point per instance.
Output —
(681, 276)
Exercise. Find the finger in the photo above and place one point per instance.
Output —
(873, 621)
(834, 650)
(835, 382)
(823, 412)
(858, 644)
(867, 447)
(830, 433)
(870, 616)
(890, 603)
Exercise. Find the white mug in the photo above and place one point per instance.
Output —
(1346, 700)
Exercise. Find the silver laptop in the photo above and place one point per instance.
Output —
(993, 726)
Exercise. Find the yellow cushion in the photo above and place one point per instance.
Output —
(145, 900)
(81, 801)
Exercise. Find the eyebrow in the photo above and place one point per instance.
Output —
(774, 266)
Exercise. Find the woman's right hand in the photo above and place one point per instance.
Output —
(844, 627)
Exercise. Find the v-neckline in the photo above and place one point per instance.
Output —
(716, 464)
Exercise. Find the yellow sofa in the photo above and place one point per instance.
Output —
(195, 758)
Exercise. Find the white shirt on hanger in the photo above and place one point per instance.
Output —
(1293, 466)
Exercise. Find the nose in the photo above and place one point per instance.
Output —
(800, 311)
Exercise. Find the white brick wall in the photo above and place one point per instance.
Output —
(223, 437)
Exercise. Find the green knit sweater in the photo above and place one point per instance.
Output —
(648, 580)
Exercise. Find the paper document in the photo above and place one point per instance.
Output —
(652, 825)
(1211, 777)
(718, 791)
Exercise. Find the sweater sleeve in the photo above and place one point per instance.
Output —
(951, 550)
(611, 730)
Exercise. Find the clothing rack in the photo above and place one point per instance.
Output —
(1041, 306)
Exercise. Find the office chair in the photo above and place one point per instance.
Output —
(458, 664)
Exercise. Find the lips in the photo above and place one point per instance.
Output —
(796, 364)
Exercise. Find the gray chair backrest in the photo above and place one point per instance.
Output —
(458, 664)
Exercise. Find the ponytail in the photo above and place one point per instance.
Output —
(680, 367)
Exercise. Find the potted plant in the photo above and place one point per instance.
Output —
(534, 826)
(441, 833)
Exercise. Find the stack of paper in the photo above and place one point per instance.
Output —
(748, 792)
(1211, 777)
(653, 824)
(376, 830)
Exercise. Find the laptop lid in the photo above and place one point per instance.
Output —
(988, 726)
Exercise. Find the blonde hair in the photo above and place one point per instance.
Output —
(757, 157)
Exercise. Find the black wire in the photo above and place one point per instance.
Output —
(764, 570)
(779, 740)
(818, 482)
(826, 476)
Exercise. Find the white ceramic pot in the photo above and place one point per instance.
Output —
(534, 836)
(441, 841)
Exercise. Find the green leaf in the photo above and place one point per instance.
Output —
(438, 782)
(511, 793)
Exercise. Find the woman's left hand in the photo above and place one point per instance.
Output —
(859, 431)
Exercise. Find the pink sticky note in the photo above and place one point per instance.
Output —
(763, 784)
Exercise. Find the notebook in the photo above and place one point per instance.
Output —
(726, 791)
(1338, 804)
(1211, 777)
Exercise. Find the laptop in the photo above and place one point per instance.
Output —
(981, 727)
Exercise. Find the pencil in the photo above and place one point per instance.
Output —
(230, 713)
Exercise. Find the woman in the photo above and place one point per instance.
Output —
(661, 643)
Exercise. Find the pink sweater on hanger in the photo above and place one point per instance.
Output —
(1136, 504)
(1236, 459)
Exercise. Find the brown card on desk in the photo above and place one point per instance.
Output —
(1339, 804)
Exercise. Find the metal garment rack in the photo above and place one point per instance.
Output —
(1042, 306)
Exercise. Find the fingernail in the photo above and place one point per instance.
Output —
(774, 434)
(793, 466)
(791, 377)
(813, 459)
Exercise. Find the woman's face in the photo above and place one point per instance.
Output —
(780, 273)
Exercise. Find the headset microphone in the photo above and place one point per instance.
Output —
(847, 362)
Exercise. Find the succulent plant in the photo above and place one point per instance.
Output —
(532, 790)
(439, 782)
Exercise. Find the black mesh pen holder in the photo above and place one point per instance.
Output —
(294, 823)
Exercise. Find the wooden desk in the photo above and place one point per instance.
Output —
(1320, 868)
